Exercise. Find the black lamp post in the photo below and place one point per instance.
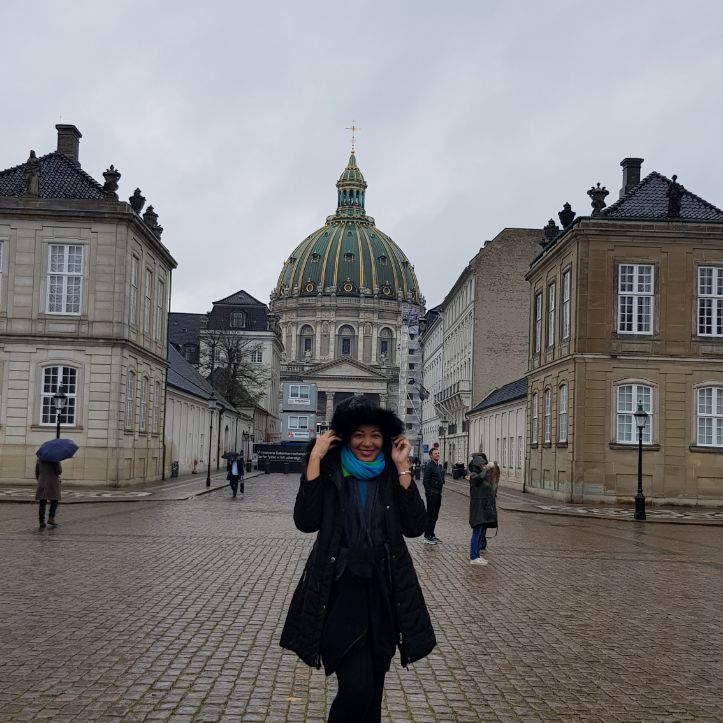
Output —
(211, 409)
(641, 419)
(59, 400)
(443, 433)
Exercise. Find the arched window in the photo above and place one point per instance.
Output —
(562, 414)
(710, 416)
(346, 342)
(306, 342)
(386, 348)
(627, 397)
(144, 404)
(238, 320)
(130, 399)
(56, 379)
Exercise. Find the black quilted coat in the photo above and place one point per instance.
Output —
(318, 509)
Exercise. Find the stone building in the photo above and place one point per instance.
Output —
(626, 309)
(242, 324)
(345, 297)
(200, 423)
(484, 322)
(84, 290)
(498, 426)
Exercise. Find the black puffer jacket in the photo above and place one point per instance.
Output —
(318, 508)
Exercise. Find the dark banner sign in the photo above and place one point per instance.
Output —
(280, 457)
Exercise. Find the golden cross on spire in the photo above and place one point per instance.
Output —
(353, 128)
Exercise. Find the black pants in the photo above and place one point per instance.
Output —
(434, 502)
(41, 510)
(361, 686)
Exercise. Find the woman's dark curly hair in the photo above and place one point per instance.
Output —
(356, 412)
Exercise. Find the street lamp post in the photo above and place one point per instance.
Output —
(211, 409)
(443, 433)
(641, 419)
(59, 400)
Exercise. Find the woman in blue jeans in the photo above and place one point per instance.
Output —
(482, 507)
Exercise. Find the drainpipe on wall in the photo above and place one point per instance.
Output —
(165, 385)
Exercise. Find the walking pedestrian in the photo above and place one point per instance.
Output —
(359, 598)
(48, 490)
(234, 472)
(433, 481)
(482, 507)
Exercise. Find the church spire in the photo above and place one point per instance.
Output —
(351, 189)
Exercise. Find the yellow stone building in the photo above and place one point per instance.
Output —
(627, 310)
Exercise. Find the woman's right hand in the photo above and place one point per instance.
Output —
(324, 442)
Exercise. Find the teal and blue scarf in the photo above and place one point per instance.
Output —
(353, 467)
(361, 471)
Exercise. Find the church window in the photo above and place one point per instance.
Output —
(348, 256)
(346, 345)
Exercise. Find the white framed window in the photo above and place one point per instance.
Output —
(511, 459)
(562, 414)
(155, 406)
(710, 301)
(299, 392)
(710, 417)
(65, 278)
(538, 322)
(533, 418)
(130, 399)
(55, 379)
(298, 422)
(144, 405)
(519, 452)
(636, 285)
(504, 452)
(160, 301)
(628, 396)
(547, 418)
(566, 281)
(551, 300)
(257, 356)
(147, 291)
(134, 290)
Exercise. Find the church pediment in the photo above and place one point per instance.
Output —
(347, 368)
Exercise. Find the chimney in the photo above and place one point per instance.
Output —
(69, 141)
(631, 174)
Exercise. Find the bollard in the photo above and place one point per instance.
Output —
(286, 468)
(267, 466)
(174, 469)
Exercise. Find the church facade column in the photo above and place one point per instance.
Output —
(317, 341)
(329, 406)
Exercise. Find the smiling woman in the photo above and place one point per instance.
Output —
(359, 597)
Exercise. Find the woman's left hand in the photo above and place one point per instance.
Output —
(400, 451)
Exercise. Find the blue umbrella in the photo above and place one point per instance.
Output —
(56, 450)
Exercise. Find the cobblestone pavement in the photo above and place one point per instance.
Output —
(171, 611)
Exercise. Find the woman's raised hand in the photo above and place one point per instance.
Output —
(400, 452)
(324, 442)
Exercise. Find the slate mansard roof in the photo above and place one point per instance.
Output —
(648, 200)
(503, 395)
(59, 177)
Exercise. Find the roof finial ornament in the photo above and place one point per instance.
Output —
(353, 128)
(597, 195)
(674, 194)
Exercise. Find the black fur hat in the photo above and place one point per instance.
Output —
(357, 411)
(478, 462)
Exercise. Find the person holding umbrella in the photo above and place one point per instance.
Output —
(47, 473)
(48, 489)
(234, 472)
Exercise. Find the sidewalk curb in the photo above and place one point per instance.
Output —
(216, 484)
(523, 509)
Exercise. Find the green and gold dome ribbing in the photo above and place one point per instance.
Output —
(349, 256)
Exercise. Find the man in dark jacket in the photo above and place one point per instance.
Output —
(433, 481)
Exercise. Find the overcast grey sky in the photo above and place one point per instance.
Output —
(474, 115)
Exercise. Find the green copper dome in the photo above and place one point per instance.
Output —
(349, 256)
